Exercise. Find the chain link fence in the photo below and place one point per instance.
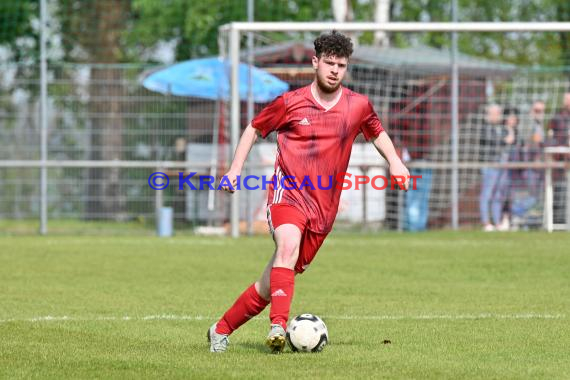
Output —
(107, 134)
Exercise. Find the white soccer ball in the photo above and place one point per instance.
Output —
(307, 333)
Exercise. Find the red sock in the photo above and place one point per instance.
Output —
(247, 306)
(282, 285)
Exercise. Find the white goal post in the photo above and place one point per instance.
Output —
(236, 29)
(549, 204)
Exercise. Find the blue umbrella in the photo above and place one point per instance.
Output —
(208, 78)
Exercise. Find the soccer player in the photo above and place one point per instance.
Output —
(316, 126)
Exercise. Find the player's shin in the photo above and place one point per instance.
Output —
(248, 305)
(282, 284)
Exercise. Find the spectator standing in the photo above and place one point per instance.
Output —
(559, 135)
(530, 180)
(491, 137)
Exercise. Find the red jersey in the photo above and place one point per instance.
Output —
(313, 147)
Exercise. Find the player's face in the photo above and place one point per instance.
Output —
(330, 72)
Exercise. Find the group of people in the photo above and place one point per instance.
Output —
(507, 195)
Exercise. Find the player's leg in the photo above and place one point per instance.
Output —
(249, 304)
(287, 239)
(257, 296)
(309, 245)
(263, 284)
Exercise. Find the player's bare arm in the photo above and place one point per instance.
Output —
(385, 147)
(246, 141)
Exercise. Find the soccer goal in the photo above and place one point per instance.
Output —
(557, 189)
(439, 105)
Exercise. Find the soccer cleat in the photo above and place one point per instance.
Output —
(218, 342)
(276, 339)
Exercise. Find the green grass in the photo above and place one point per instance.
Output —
(76, 227)
(454, 306)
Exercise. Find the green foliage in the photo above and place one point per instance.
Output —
(124, 30)
(519, 48)
(195, 24)
(16, 23)
(15, 17)
(190, 23)
(92, 30)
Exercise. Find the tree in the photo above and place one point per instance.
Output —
(15, 20)
(194, 24)
(93, 32)
(519, 48)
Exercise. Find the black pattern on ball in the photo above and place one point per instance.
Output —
(288, 337)
(306, 317)
(322, 343)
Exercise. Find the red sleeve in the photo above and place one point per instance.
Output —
(371, 126)
(272, 118)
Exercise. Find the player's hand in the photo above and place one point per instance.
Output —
(399, 171)
(231, 178)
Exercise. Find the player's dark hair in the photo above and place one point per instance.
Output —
(333, 43)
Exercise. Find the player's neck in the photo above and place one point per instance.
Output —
(327, 100)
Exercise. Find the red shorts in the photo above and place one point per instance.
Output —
(278, 214)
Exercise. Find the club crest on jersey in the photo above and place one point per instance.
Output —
(305, 121)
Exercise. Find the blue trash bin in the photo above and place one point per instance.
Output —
(164, 223)
(417, 201)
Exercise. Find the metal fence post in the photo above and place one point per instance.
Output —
(234, 121)
(454, 126)
(43, 119)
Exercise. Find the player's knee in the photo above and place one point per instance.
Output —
(287, 251)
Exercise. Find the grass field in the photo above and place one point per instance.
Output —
(453, 305)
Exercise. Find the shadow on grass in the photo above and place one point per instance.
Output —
(251, 346)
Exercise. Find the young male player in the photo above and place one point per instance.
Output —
(316, 126)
